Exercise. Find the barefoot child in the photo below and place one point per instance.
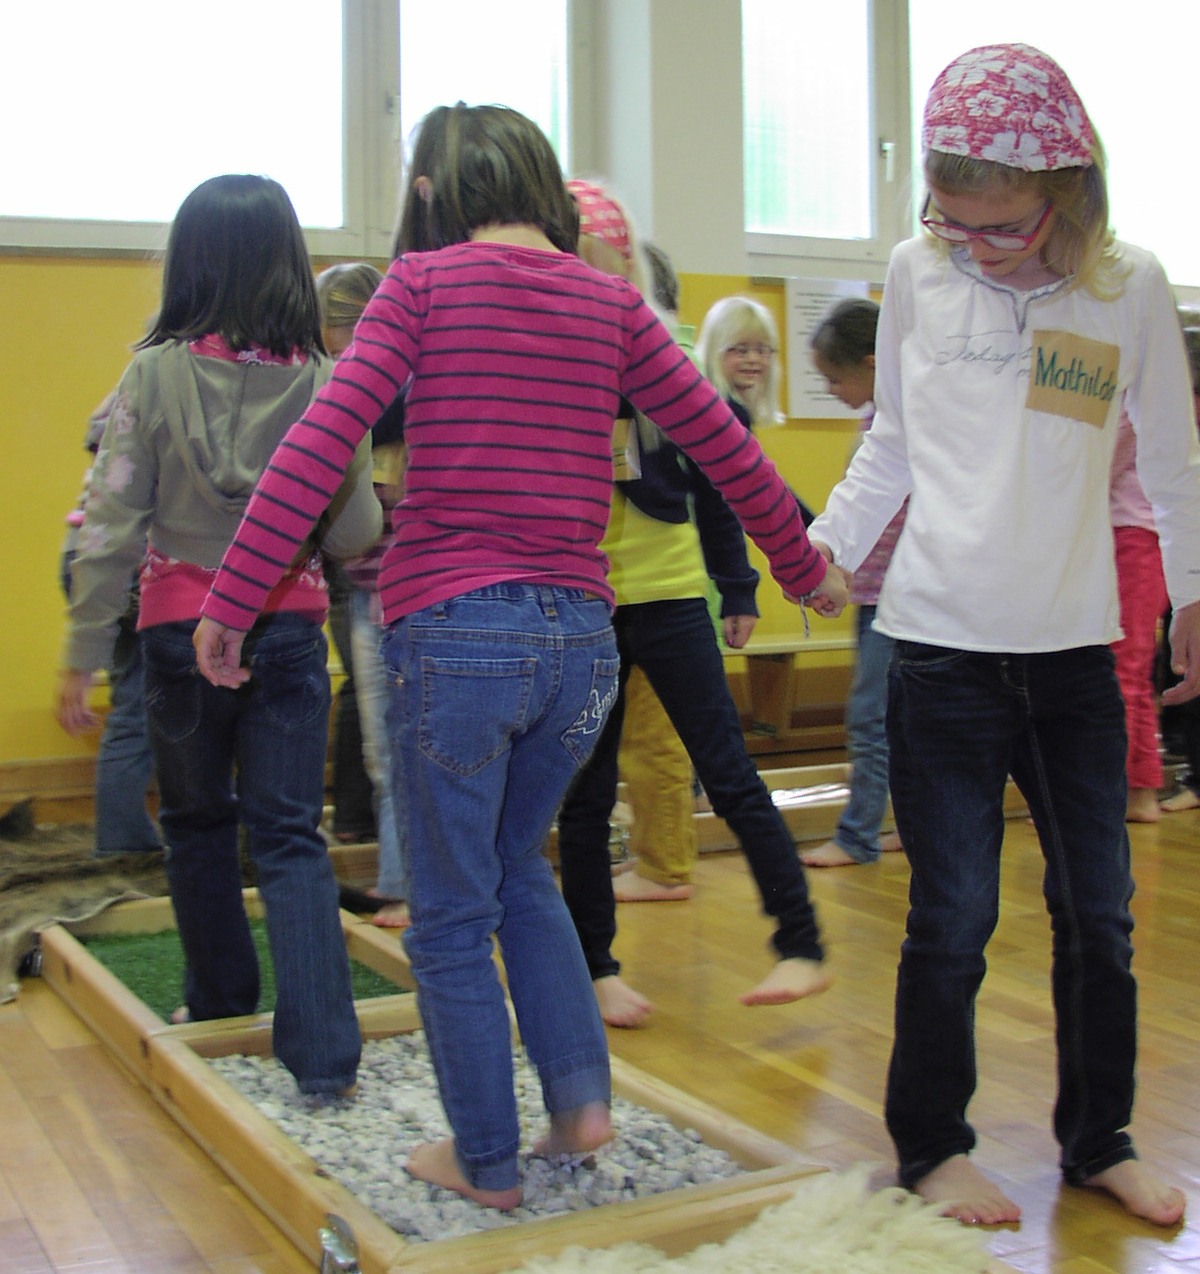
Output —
(233, 356)
(1009, 338)
(662, 556)
(843, 346)
(513, 354)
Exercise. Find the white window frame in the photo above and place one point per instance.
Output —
(372, 153)
(369, 164)
(774, 255)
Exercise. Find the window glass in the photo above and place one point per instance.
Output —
(1137, 85)
(127, 105)
(508, 61)
(809, 145)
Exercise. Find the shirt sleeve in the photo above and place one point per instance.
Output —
(314, 455)
(1161, 409)
(112, 542)
(878, 478)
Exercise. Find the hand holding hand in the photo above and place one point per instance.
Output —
(219, 654)
(736, 630)
(72, 710)
(832, 594)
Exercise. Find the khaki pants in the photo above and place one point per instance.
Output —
(657, 772)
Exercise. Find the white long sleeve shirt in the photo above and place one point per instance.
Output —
(996, 414)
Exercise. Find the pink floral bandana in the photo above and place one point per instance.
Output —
(600, 216)
(1010, 104)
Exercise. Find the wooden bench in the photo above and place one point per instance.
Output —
(771, 676)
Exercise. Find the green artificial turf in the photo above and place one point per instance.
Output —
(151, 966)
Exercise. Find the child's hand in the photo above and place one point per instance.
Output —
(832, 594)
(219, 654)
(72, 710)
(1185, 654)
(736, 630)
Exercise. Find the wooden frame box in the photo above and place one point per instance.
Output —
(307, 1205)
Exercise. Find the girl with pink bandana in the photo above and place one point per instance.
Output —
(1012, 334)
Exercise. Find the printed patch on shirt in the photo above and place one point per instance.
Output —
(1072, 376)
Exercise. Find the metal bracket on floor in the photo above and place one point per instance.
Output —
(30, 965)
(339, 1248)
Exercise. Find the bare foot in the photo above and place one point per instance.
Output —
(891, 844)
(630, 887)
(577, 1132)
(1141, 1192)
(831, 854)
(1142, 806)
(959, 1190)
(393, 915)
(181, 1015)
(620, 1004)
(436, 1162)
(1183, 800)
(789, 980)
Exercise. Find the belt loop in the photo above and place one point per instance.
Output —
(549, 602)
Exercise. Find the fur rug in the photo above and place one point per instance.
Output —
(833, 1224)
(48, 876)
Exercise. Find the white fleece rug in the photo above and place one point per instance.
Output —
(833, 1224)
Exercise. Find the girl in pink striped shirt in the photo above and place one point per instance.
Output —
(513, 355)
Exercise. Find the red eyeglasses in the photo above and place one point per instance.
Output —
(1002, 240)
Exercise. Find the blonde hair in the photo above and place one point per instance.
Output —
(732, 321)
(343, 291)
(1080, 245)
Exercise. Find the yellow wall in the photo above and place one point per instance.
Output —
(66, 325)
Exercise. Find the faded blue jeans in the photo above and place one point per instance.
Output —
(255, 754)
(959, 723)
(371, 690)
(498, 697)
(866, 727)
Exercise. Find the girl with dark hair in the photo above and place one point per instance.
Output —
(501, 660)
(843, 348)
(234, 357)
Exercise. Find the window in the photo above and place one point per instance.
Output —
(825, 134)
(519, 64)
(144, 100)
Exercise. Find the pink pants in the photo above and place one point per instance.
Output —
(1143, 594)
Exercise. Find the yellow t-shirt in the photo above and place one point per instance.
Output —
(649, 560)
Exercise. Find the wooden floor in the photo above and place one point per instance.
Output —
(95, 1178)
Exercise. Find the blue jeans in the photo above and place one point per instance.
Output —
(958, 724)
(371, 689)
(498, 697)
(125, 763)
(256, 754)
(866, 725)
(673, 642)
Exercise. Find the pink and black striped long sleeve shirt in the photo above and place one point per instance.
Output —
(513, 361)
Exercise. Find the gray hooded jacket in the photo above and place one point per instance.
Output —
(182, 451)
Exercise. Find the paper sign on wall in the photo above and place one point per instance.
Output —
(808, 301)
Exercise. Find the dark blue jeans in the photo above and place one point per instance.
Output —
(125, 763)
(959, 723)
(673, 642)
(256, 754)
